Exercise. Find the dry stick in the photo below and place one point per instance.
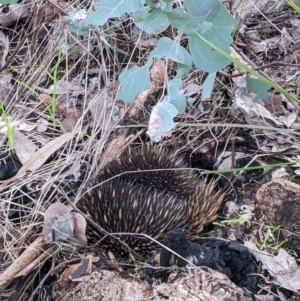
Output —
(31, 266)
(30, 254)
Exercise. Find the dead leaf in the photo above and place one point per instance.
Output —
(273, 103)
(43, 125)
(4, 47)
(282, 267)
(6, 87)
(79, 227)
(58, 223)
(65, 87)
(69, 123)
(24, 147)
(26, 126)
(62, 224)
(17, 12)
(289, 120)
(157, 74)
(262, 112)
(41, 156)
(155, 128)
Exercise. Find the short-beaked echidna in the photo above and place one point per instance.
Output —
(148, 190)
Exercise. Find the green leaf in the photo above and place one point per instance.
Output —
(216, 28)
(172, 50)
(258, 87)
(8, 1)
(182, 70)
(211, 20)
(134, 81)
(204, 57)
(161, 118)
(204, 8)
(154, 22)
(106, 9)
(175, 96)
(183, 21)
(208, 85)
(141, 14)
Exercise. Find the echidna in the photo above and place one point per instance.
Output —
(148, 190)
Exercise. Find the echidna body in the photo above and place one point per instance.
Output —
(148, 190)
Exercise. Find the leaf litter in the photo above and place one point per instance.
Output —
(72, 128)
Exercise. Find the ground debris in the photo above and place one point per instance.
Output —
(194, 284)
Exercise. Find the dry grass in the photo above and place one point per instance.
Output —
(88, 100)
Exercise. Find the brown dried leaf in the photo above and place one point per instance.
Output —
(283, 267)
(69, 123)
(62, 224)
(79, 228)
(58, 223)
(17, 12)
(24, 147)
(273, 103)
(43, 125)
(40, 157)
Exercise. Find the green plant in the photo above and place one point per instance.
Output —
(175, 265)
(241, 220)
(208, 26)
(295, 5)
(8, 1)
(37, 95)
(9, 126)
(135, 263)
(292, 252)
(54, 77)
(293, 177)
(273, 231)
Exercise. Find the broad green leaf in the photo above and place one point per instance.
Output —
(216, 28)
(168, 112)
(8, 1)
(258, 87)
(134, 81)
(172, 50)
(183, 21)
(204, 57)
(208, 85)
(208, 9)
(106, 9)
(182, 70)
(175, 96)
(141, 15)
(155, 22)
